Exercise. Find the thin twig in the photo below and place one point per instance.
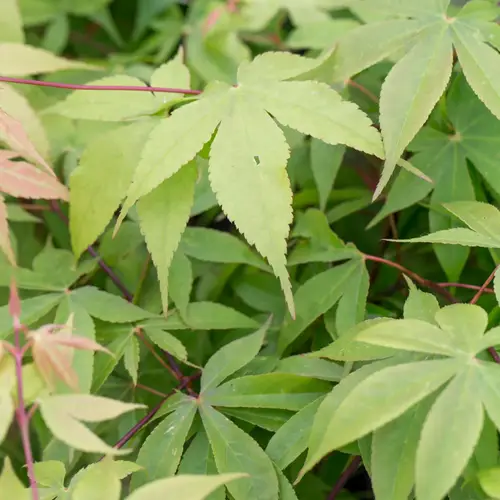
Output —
(484, 286)
(149, 389)
(466, 286)
(71, 86)
(423, 281)
(344, 477)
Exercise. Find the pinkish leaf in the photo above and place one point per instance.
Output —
(21, 179)
(14, 303)
(16, 137)
(78, 342)
(5, 244)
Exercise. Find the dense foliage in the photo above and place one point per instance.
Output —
(249, 249)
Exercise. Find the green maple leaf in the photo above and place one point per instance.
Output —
(475, 137)
(249, 153)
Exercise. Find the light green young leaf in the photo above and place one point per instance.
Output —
(404, 109)
(107, 306)
(412, 335)
(352, 304)
(457, 437)
(310, 367)
(96, 192)
(496, 285)
(480, 217)
(465, 322)
(235, 451)
(380, 398)
(161, 452)
(248, 176)
(131, 358)
(50, 473)
(18, 107)
(66, 426)
(175, 141)
(163, 214)
(480, 64)
(394, 449)
(210, 245)
(6, 412)
(11, 25)
(100, 481)
(420, 305)
(180, 281)
(231, 358)
(489, 374)
(314, 298)
(457, 236)
(83, 326)
(380, 40)
(31, 310)
(325, 164)
(194, 487)
(21, 60)
(167, 342)
(10, 485)
(173, 73)
(113, 106)
(292, 437)
(315, 109)
(286, 491)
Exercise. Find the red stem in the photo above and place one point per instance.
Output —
(484, 286)
(21, 416)
(71, 86)
(344, 477)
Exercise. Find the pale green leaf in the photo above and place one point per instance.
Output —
(315, 109)
(490, 390)
(10, 485)
(420, 305)
(131, 358)
(20, 60)
(230, 358)
(173, 73)
(404, 109)
(83, 326)
(175, 141)
(275, 66)
(6, 412)
(292, 438)
(456, 437)
(161, 452)
(50, 473)
(310, 367)
(457, 236)
(167, 342)
(248, 176)
(11, 26)
(394, 449)
(465, 322)
(70, 430)
(235, 451)
(382, 397)
(194, 487)
(107, 306)
(163, 214)
(286, 491)
(314, 298)
(209, 245)
(110, 106)
(180, 281)
(31, 310)
(96, 192)
(100, 481)
(480, 64)
(412, 335)
(380, 40)
(18, 107)
(325, 163)
(480, 217)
